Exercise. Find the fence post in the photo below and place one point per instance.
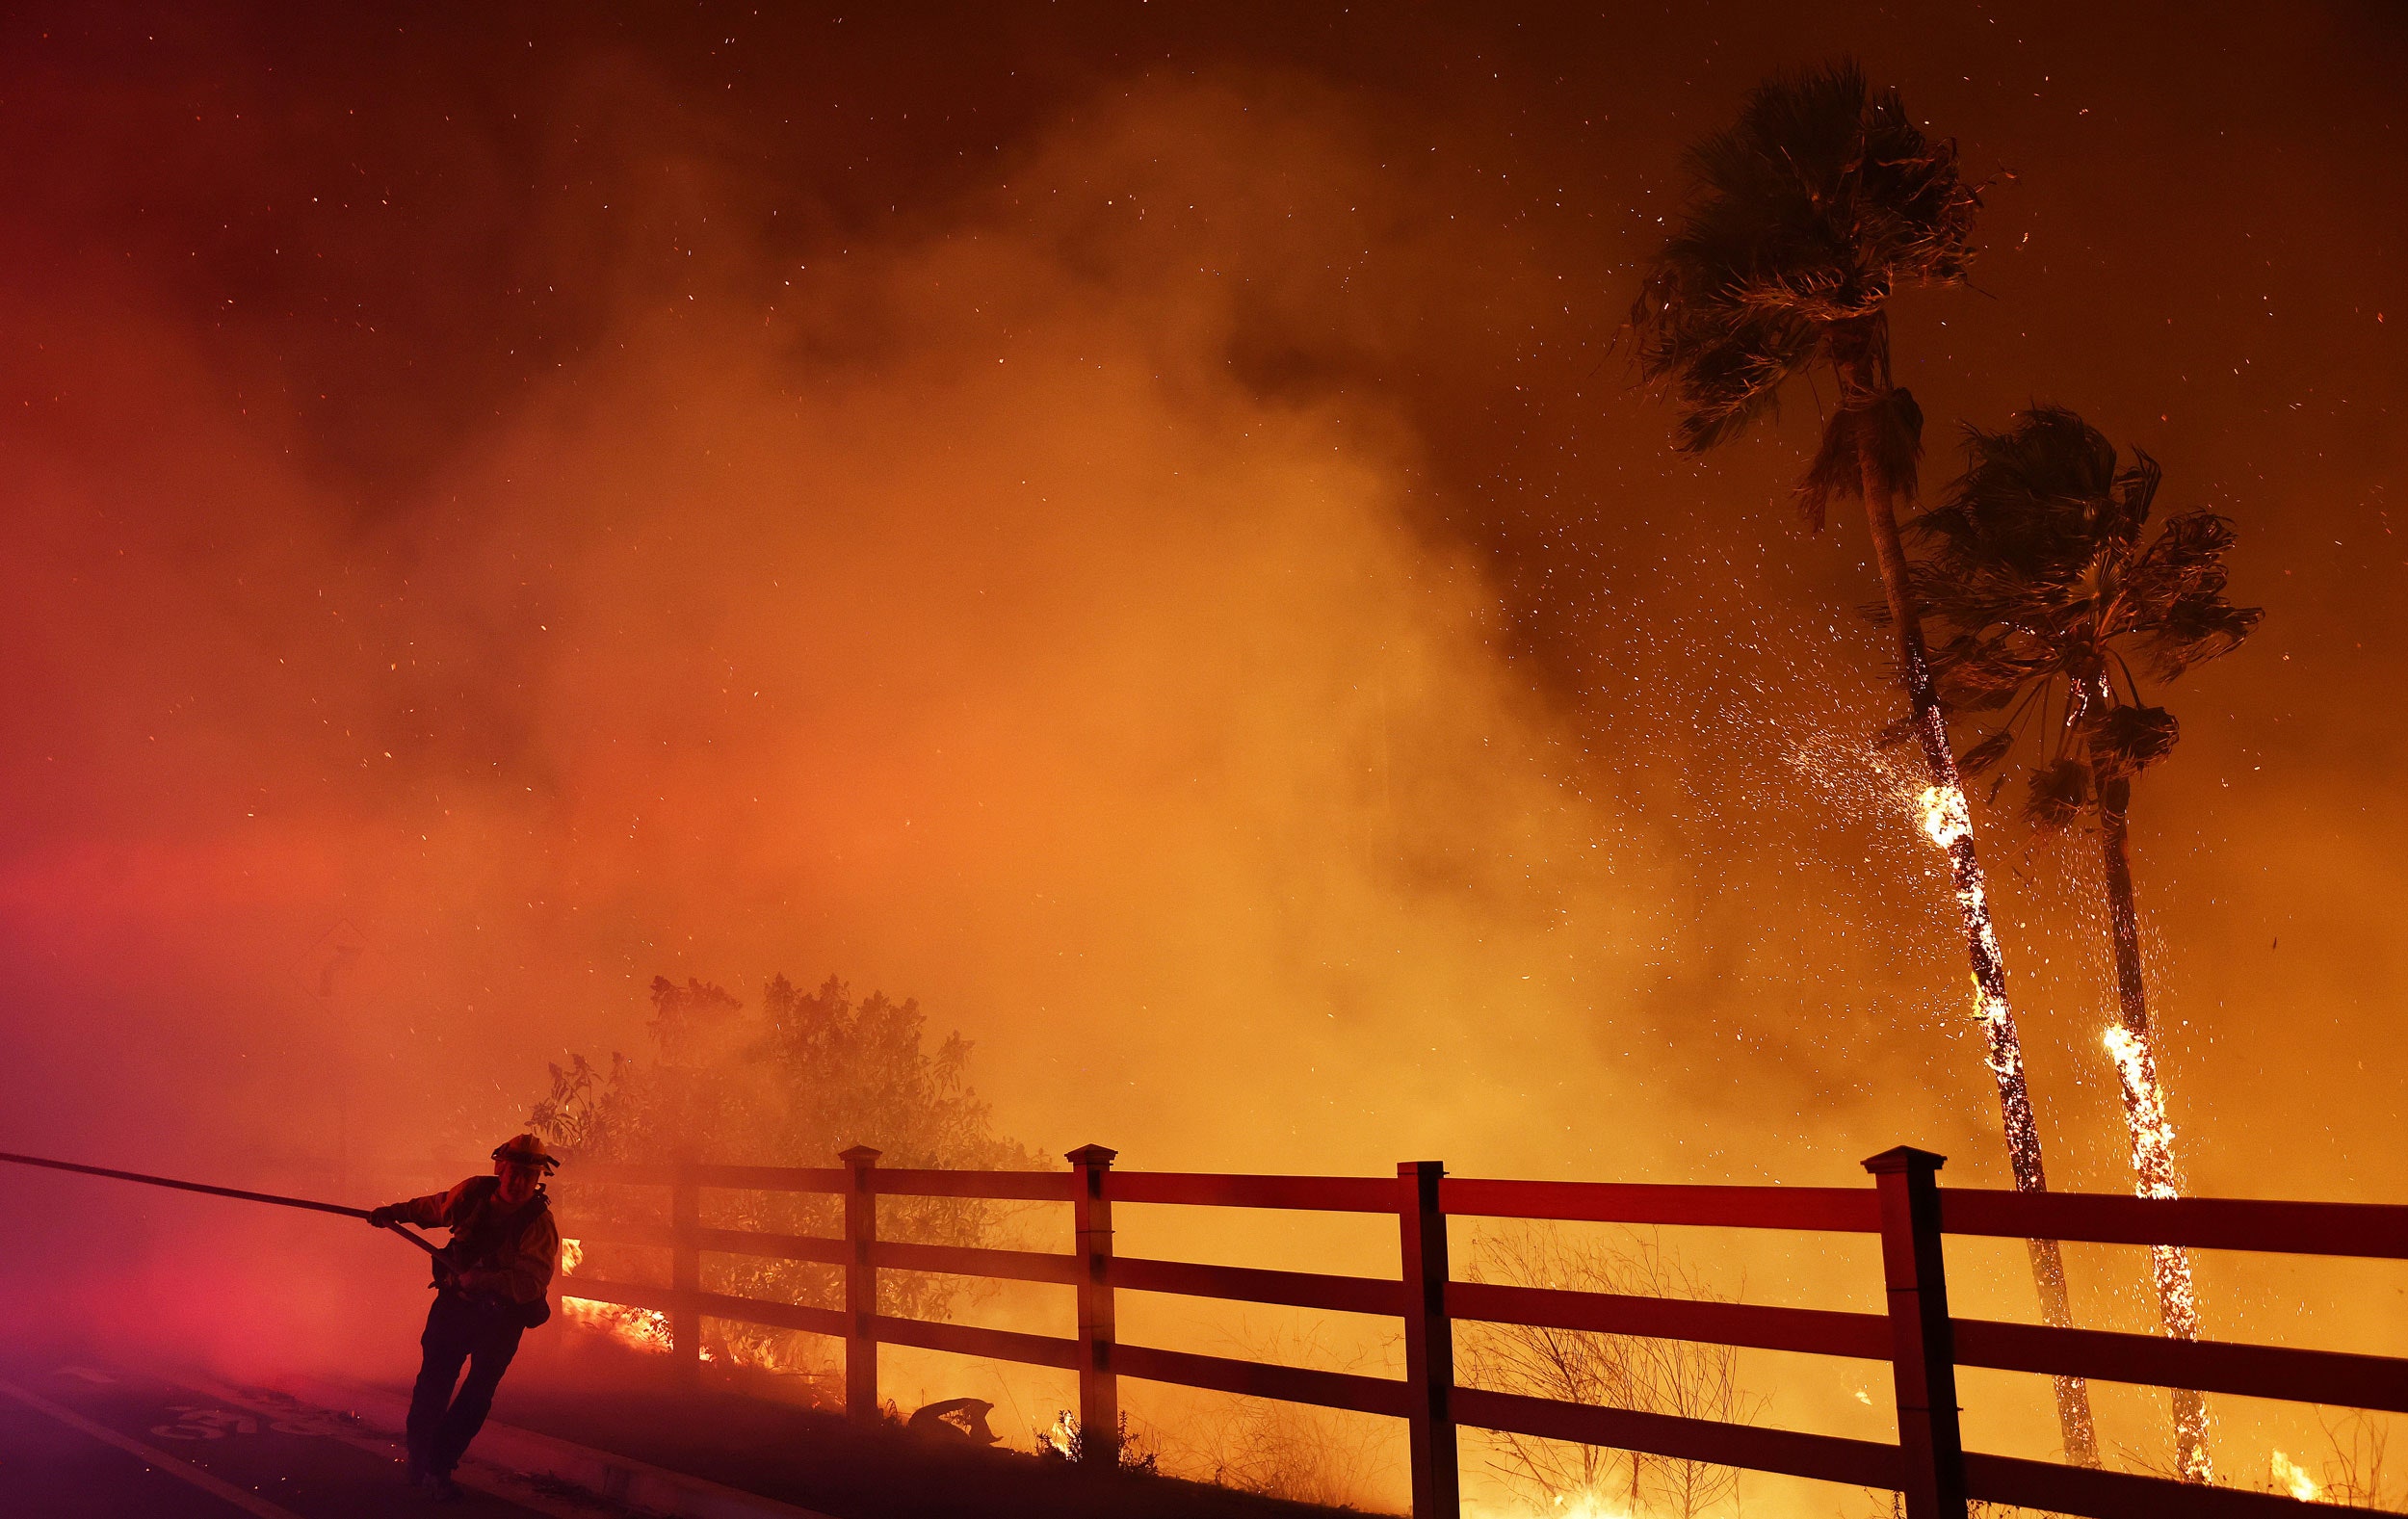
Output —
(860, 1284)
(1922, 1348)
(1099, 1389)
(685, 1267)
(1428, 1342)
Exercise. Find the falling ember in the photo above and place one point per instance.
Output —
(2291, 1478)
(2152, 1176)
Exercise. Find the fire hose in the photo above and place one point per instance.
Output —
(235, 1192)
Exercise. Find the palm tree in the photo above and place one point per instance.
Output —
(1823, 200)
(2038, 565)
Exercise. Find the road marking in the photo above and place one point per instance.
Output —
(249, 1503)
(204, 1424)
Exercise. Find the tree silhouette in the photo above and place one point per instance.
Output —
(791, 1084)
(1822, 202)
(2038, 562)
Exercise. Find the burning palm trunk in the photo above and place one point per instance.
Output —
(1948, 821)
(2049, 585)
(2132, 1044)
(2041, 569)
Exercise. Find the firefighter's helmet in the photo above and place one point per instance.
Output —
(525, 1150)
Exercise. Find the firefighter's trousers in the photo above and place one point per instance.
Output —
(459, 1328)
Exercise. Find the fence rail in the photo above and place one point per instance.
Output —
(1905, 1207)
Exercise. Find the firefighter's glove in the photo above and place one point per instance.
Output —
(384, 1218)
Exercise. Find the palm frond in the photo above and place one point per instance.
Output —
(2038, 565)
(1883, 439)
(2125, 741)
(1978, 673)
(2134, 494)
(2174, 595)
(2060, 793)
(1723, 369)
(2026, 508)
(1819, 203)
(2195, 632)
(1989, 751)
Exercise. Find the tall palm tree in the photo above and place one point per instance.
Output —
(1806, 215)
(2039, 567)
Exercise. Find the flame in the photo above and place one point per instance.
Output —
(648, 1330)
(639, 1329)
(1063, 1439)
(2144, 1106)
(1991, 1011)
(1560, 1505)
(1946, 821)
(1947, 818)
(2293, 1479)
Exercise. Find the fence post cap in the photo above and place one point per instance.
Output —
(1091, 1155)
(1905, 1158)
(859, 1155)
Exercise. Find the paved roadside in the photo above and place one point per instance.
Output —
(102, 1440)
(88, 1438)
(87, 1435)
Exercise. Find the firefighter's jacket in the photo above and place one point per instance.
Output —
(523, 1243)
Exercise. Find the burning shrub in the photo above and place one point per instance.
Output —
(1065, 1441)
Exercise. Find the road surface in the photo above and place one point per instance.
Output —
(83, 1437)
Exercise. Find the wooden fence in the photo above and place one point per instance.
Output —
(1905, 1206)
